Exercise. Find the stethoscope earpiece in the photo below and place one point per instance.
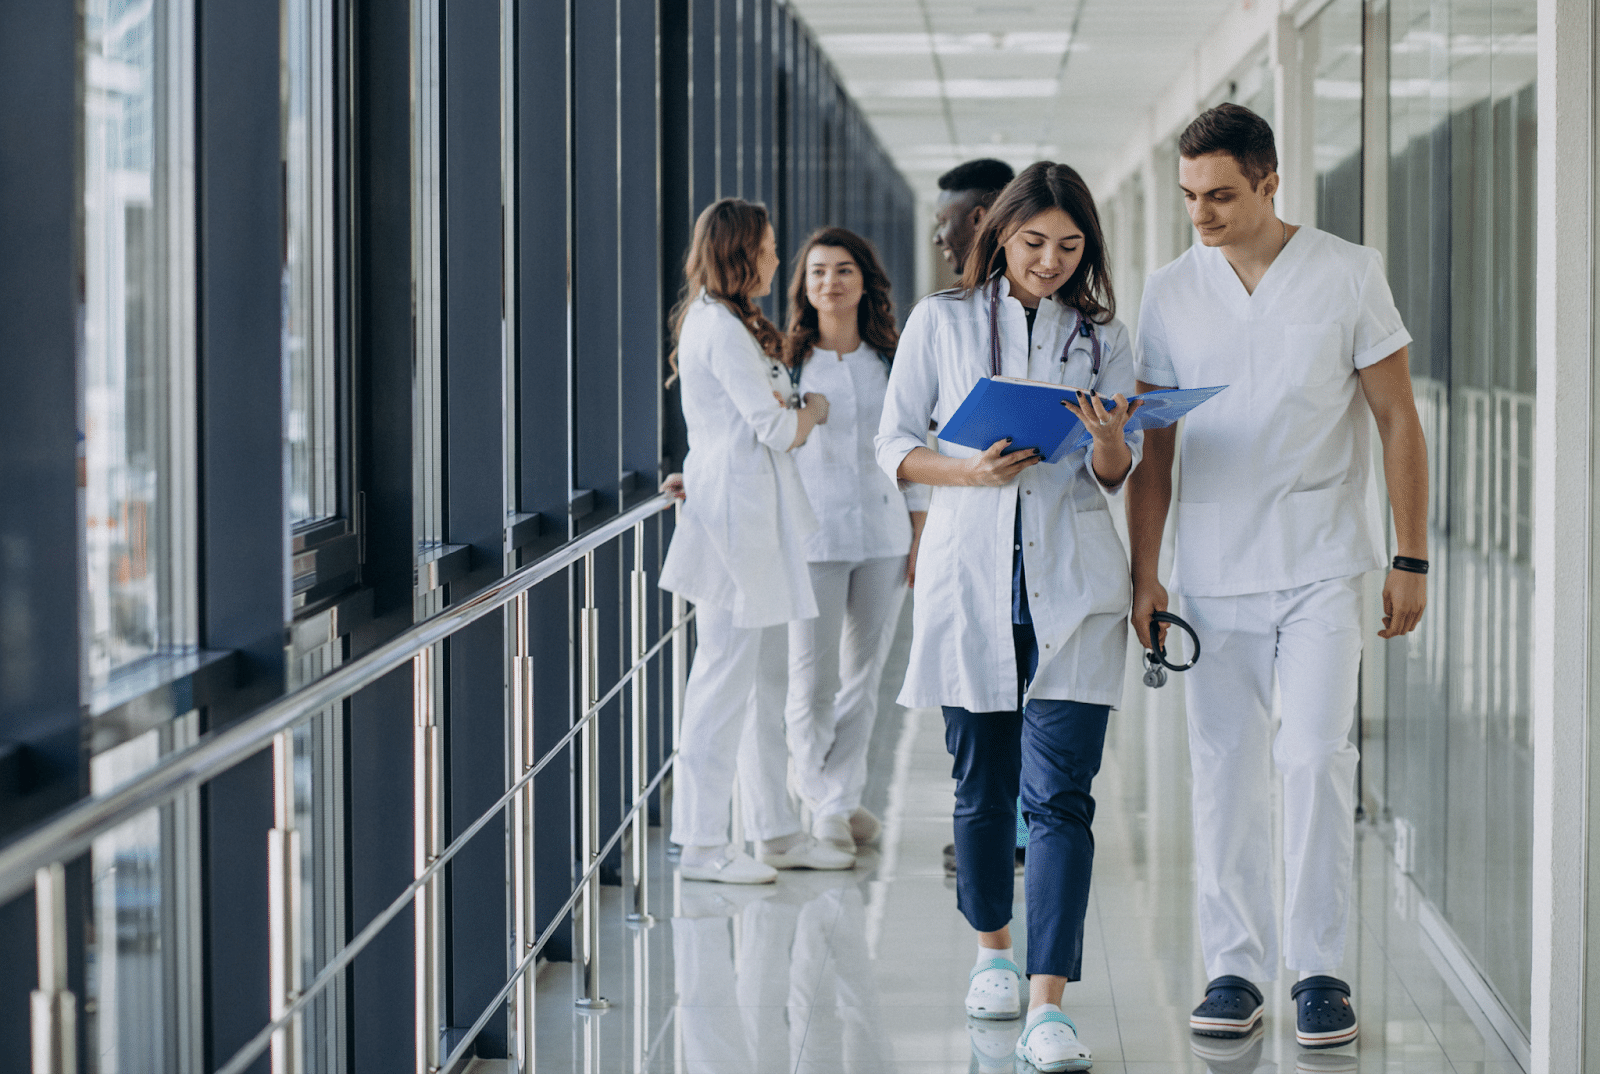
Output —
(1156, 664)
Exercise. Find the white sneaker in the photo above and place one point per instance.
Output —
(865, 828)
(834, 831)
(1050, 1043)
(730, 867)
(994, 990)
(808, 853)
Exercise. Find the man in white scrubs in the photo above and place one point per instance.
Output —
(1277, 523)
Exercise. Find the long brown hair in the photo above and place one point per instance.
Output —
(875, 314)
(722, 261)
(1040, 188)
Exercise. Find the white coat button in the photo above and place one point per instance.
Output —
(1027, 492)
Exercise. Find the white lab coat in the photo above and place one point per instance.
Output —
(962, 653)
(740, 540)
(1276, 489)
(861, 513)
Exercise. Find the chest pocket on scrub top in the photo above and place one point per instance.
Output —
(1313, 355)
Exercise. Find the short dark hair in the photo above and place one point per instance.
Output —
(985, 178)
(1235, 130)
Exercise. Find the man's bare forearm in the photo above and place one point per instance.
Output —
(1405, 473)
(1149, 498)
(1387, 385)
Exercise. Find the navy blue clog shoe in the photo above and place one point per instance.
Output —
(1231, 1009)
(1324, 1017)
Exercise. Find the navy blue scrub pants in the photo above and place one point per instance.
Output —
(1050, 750)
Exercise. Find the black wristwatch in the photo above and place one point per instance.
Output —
(1406, 563)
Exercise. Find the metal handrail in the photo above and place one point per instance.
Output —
(72, 831)
(358, 943)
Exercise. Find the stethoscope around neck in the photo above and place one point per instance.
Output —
(1084, 327)
(794, 372)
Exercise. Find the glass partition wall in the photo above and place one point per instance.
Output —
(1331, 44)
(1461, 165)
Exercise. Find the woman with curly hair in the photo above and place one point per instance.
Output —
(738, 554)
(841, 342)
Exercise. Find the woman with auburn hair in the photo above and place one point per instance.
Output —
(738, 553)
(1023, 591)
(841, 341)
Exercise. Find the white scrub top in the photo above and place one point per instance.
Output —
(861, 513)
(1276, 483)
(740, 539)
(962, 651)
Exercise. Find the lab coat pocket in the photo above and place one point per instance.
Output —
(1312, 355)
(1199, 538)
(1105, 557)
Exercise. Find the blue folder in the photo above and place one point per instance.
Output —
(1032, 414)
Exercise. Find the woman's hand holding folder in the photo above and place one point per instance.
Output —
(1112, 457)
(1104, 425)
(994, 467)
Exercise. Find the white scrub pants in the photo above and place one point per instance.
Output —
(732, 721)
(1310, 637)
(835, 668)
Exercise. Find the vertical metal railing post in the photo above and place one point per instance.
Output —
(428, 828)
(53, 1009)
(589, 789)
(641, 741)
(680, 654)
(522, 886)
(284, 933)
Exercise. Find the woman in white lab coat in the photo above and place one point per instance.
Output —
(738, 554)
(1022, 596)
(841, 341)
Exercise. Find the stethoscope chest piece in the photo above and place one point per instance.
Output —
(1156, 664)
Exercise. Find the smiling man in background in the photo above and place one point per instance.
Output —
(965, 194)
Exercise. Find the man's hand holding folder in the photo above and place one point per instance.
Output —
(1050, 418)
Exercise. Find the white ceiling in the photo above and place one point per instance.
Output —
(944, 81)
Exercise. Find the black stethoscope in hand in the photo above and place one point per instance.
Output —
(1156, 663)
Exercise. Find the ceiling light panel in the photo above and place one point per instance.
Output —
(1025, 43)
(1011, 70)
(955, 88)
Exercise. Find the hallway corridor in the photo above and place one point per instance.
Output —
(864, 972)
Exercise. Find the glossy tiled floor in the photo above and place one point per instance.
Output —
(840, 973)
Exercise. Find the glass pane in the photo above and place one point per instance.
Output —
(309, 331)
(1461, 213)
(137, 334)
(1333, 40)
(318, 761)
(1182, 230)
(143, 953)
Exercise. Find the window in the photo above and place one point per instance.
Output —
(138, 330)
(310, 327)
(1332, 44)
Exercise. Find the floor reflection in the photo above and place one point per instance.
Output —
(864, 972)
(799, 946)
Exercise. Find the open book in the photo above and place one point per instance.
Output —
(1033, 414)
